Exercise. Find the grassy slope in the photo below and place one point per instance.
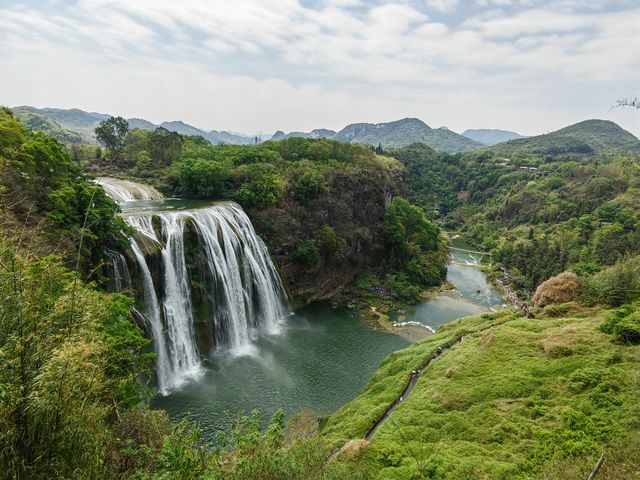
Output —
(529, 398)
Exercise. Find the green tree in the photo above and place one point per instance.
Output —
(165, 146)
(112, 134)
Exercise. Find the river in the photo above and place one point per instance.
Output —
(318, 357)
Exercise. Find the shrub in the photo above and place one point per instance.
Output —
(307, 252)
(562, 288)
(627, 330)
(615, 285)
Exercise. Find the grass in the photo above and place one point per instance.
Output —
(521, 399)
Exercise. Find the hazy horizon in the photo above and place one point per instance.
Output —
(526, 66)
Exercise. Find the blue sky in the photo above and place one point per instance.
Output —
(256, 66)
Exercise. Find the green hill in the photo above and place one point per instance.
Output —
(42, 123)
(518, 398)
(585, 138)
(77, 126)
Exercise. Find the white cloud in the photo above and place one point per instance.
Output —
(442, 5)
(305, 67)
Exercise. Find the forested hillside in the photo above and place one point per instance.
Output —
(45, 198)
(328, 210)
(566, 212)
(585, 138)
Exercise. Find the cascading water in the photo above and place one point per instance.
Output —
(214, 254)
(119, 271)
(125, 191)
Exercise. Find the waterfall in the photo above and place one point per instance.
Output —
(119, 271)
(207, 283)
(246, 296)
(125, 191)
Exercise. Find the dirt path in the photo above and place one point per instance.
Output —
(413, 379)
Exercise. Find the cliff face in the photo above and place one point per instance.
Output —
(343, 228)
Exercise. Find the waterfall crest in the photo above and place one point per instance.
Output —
(125, 191)
(206, 281)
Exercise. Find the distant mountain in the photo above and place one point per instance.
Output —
(141, 123)
(317, 133)
(73, 126)
(41, 123)
(393, 134)
(77, 126)
(585, 138)
(491, 136)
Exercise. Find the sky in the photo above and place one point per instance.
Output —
(257, 66)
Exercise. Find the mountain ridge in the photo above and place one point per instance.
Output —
(77, 126)
(394, 134)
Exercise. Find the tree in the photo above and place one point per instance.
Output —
(164, 146)
(112, 133)
(633, 102)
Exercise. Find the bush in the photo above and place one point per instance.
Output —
(562, 288)
(615, 285)
(627, 330)
(307, 252)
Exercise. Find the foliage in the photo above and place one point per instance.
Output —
(40, 182)
(566, 212)
(307, 252)
(71, 359)
(112, 133)
(562, 288)
(624, 324)
(615, 285)
(416, 252)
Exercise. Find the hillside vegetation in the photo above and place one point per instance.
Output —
(329, 211)
(576, 212)
(584, 138)
(569, 393)
(44, 199)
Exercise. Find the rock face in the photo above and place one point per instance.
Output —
(559, 289)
